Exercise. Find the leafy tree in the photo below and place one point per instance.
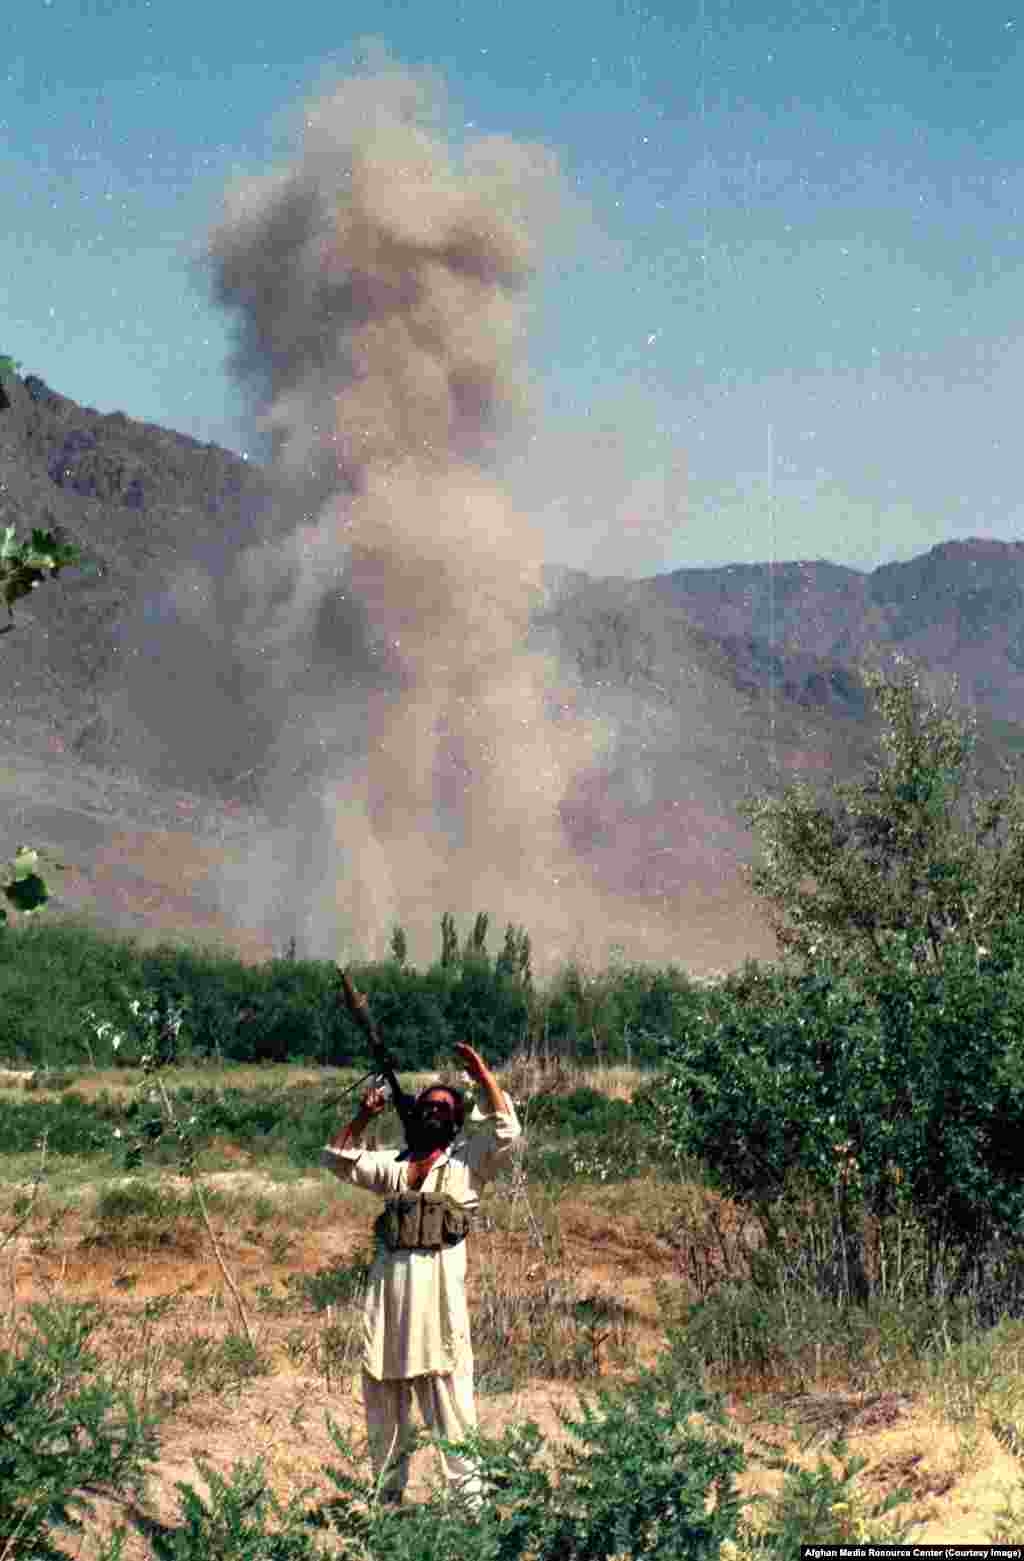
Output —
(514, 959)
(449, 940)
(476, 941)
(399, 945)
(905, 859)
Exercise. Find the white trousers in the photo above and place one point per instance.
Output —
(447, 1407)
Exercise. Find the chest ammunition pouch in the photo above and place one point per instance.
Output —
(422, 1222)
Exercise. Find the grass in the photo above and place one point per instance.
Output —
(122, 1083)
(525, 1078)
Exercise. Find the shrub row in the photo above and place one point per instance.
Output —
(52, 973)
(296, 1121)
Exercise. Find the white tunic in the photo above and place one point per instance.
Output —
(415, 1317)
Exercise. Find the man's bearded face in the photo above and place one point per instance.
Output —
(434, 1126)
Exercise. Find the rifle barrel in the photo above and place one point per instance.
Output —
(360, 1011)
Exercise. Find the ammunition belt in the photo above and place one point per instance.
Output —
(422, 1222)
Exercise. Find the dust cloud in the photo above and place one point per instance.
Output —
(414, 745)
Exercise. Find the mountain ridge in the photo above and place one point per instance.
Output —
(959, 607)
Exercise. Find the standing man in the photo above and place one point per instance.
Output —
(416, 1338)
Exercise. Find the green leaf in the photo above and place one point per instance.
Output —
(27, 893)
(26, 860)
(24, 565)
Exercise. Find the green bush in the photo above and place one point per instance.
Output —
(71, 1125)
(956, 1073)
(135, 1200)
(64, 1431)
(584, 1136)
(650, 1474)
(295, 1121)
(240, 1520)
(220, 1365)
(334, 1286)
(641, 1483)
(582, 1110)
(918, 1070)
(759, 1084)
(136, 1214)
(645, 1479)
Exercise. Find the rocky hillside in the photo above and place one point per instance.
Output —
(959, 608)
(132, 496)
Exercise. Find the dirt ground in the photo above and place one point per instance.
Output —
(956, 1488)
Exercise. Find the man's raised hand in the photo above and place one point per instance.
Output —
(471, 1060)
(374, 1101)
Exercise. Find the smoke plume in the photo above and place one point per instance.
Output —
(414, 745)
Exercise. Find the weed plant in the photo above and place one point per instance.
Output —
(65, 1432)
(240, 1519)
(220, 1365)
(138, 1215)
(342, 1284)
(820, 1506)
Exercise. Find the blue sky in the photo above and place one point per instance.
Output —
(789, 324)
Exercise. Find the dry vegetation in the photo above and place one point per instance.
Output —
(569, 1287)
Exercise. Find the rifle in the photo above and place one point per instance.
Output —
(359, 1008)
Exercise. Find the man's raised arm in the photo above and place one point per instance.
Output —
(478, 1070)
